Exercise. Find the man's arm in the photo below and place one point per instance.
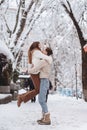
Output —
(35, 69)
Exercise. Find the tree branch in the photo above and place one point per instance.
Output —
(17, 17)
(22, 23)
(79, 32)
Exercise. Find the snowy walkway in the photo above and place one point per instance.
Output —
(66, 113)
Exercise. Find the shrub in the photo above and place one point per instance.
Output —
(5, 70)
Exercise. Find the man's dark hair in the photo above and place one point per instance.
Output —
(49, 51)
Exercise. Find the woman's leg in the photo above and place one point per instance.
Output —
(36, 81)
(30, 94)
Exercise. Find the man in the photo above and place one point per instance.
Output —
(44, 67)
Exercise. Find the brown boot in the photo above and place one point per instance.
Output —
(46, 120)
(19, 101)
(41, 118)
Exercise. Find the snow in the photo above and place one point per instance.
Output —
(24, 76)
(13, 3)
(4, 49)
(4, 95)
(67, 113)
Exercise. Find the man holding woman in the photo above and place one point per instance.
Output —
(41, 68)
(44, 68)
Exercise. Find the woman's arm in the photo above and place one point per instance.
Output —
(37, 68)
(40, 55)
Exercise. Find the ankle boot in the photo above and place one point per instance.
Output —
(46, 120)
(19, 101)
(41, 118)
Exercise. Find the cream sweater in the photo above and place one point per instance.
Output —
(37, 57)
(42, 66)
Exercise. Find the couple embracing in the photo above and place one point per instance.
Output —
(39, 69)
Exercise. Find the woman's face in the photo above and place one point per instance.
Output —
(39, 46)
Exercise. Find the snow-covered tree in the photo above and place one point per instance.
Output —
(82, 40)
(48, 21)
(27, 12)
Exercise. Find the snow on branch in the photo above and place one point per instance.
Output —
(32, 22)
(21, 26)
(17, 18)
(8, 29)
(26, 33)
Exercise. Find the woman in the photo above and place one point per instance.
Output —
(34, 55)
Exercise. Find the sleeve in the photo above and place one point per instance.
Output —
(29, 66)
(41, 64)
(40, 55)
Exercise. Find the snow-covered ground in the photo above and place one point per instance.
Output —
(67, 113)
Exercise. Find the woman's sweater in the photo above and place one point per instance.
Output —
(37, 56)
(43, 67)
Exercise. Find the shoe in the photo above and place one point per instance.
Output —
(42, 122)
(19, 101)
(41, 118)
(46, 120)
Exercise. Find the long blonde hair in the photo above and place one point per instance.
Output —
(35, 45)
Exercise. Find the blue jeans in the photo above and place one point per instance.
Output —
(44, 86)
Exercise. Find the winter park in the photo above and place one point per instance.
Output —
(43, 64)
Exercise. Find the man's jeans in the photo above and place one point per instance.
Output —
(44, 86)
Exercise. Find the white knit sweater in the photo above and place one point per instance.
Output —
(41, 63)
(38, 55)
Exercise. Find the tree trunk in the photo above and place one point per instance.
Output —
(82, 42)
(84, 74)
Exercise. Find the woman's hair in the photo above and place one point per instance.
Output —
(49, 51)
(34, 45)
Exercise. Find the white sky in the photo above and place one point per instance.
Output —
(13, 3)
(67, 113)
